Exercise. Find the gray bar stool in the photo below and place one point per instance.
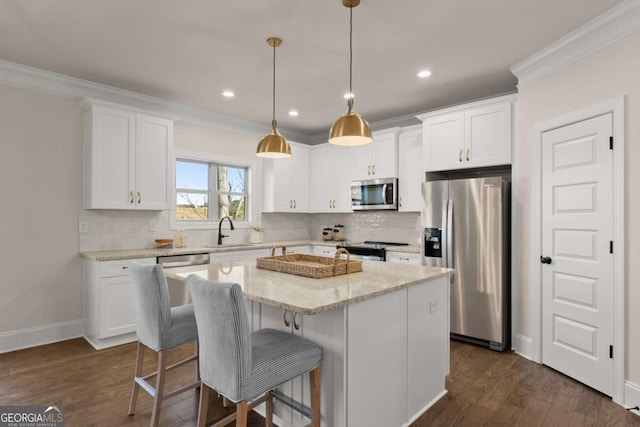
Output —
(160, 328)
(244, 366)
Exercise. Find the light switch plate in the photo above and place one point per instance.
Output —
(433, 306)
(83, 227)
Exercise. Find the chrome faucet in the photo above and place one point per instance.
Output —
(220, 235)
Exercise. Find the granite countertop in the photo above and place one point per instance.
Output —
(152, 252)
(311, 296)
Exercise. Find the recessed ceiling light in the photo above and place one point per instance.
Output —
(228, 94)
(348, 95)
(293, 113)
(424, 74)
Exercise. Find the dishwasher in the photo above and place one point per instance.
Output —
(179, 293)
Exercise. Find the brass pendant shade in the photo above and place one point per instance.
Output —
(350, 129)
(273, 145)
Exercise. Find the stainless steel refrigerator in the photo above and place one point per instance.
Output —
(467, 227)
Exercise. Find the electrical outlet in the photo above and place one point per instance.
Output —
(83, 227)
(433, 306)
(152, 225)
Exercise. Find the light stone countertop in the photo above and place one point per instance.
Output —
(152, 252)
(311, 296)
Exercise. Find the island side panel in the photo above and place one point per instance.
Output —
(377, 361)
(428, 343)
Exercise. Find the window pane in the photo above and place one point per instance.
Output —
(232, 179)
(233, 206)
(192, 175)
(192, 207)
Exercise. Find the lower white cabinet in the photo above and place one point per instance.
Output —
(324, 250)
(109, 313)
(397, 342)
(404, 258)
(217, 257)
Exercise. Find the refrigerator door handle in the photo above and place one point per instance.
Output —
(444, 243)
(449, 241)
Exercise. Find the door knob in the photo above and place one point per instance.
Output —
(545, 259)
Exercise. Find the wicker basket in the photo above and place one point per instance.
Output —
(317, 267)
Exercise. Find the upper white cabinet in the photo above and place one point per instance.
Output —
(127, 158)
(468, 136)
(378, 159)
(410, 169)
(286, 181)
(331, 178)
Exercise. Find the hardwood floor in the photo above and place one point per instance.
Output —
(485, 389)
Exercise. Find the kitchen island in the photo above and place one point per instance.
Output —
(384, 333)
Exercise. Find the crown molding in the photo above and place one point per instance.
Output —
(36, 79)
(601, 31)
(512, 97)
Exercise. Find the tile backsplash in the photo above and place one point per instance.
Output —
(113, 230)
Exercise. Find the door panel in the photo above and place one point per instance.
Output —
(577, 225)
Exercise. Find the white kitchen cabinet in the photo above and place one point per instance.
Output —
(378, 159)
(410, 169)
(468, 136)
(300, 249)
(331, 178)
(127, 158)
(328, 251)
(286, 181)
(404, 258)
(227, 256)
(109, 313)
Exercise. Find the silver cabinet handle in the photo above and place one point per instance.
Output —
(373, 169)
(290, 204)
(468, 155)
(369, 170)
(403, 259)
(139, 198)
(460, 155)
(287, 322)
(294, 203)
(130, 196)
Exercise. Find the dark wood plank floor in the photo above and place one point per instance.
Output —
(485, 389)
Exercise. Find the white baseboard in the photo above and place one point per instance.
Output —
(428, 405)
(631, 396)
(40, 335)
(523, 346)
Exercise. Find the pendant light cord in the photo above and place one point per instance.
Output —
(351, 55)
(274, 84)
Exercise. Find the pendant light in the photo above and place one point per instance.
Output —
(350, 129)
(273, 145)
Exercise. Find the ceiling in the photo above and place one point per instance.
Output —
(189, 51)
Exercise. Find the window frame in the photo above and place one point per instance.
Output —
(209, 159)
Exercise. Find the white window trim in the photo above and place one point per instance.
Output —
(251, 164)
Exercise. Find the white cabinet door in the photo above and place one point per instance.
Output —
(322, 168)
(331, 180)
(404, 258)
(410, 170)
(109, 150)
(468, 136)
(378, 159)
(488, 135)
(286, 181)
(127, 159)
(153, 156)
(117, 314)
(385, 154)
(328, 251)
(444, 142)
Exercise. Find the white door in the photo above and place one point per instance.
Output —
(577, 274)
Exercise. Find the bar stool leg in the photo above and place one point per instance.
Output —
(269, 414)
(241, 414)
(157, 399)
(204, 405)
(314, 377)
(138, 373)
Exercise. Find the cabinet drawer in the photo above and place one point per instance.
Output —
(404, 257)
(324, 250)
(121, 267)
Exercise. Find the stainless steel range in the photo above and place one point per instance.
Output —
(369, 250)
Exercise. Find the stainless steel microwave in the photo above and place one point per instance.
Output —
(374, 194)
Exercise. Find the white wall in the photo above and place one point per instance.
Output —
(41, 182)
(609, 72)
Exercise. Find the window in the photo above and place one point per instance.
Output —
(208, 191)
